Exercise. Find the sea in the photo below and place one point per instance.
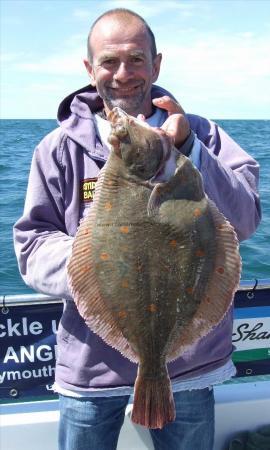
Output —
(18, 139)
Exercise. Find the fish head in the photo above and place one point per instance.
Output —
(142, 148)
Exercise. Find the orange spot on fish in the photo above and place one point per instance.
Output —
(125, 283)
(122, 314)
(152, 308)
(189, 290)
(220, 226)
(108, 206)
(124, 229)
(200, 253)
(173, 243)
(86, 231)
(197, 212)
(104, 256)
(220, 270)
(85, 268)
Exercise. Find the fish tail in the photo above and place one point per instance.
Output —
(153, 401)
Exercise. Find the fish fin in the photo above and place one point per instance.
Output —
(84, 287)
(153, 405)
(184, 184)
(219, 293)
(155, 199)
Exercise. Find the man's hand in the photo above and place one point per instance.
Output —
(177, 125)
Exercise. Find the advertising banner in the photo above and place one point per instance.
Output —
(251, 332)
(28, 349)
(28, 344)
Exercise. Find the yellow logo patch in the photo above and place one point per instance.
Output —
(87, 190)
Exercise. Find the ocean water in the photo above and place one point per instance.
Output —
(18, 139)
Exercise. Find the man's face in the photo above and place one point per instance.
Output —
(123, 68)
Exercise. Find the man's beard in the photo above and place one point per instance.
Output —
(131, 105)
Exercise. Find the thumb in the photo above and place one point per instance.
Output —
(168, 104)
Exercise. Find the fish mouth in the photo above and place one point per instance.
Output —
(117, 114)
(119, 121)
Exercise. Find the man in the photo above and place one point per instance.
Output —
(94, 381)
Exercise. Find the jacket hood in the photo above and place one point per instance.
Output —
(75, 116)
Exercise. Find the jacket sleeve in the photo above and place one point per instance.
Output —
(41, 242)
(230, 179)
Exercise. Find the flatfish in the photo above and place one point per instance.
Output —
(154, 265)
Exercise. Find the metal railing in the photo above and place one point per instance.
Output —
(26, 299)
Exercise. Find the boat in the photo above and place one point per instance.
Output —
(29, 406)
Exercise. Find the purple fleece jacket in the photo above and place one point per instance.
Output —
(65, 165)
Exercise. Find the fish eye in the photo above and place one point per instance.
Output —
(140, 169)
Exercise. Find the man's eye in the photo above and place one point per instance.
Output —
(108, 62)
(136, 60)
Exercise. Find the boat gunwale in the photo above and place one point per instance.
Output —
(39, 299)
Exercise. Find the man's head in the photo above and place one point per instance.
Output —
(122, 61)
(125, 15)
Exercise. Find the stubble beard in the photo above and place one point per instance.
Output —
(131, 105)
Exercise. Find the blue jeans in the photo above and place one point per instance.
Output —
(95, 423)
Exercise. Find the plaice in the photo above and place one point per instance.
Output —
(154, 265)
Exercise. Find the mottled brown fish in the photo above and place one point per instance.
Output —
(154, 265)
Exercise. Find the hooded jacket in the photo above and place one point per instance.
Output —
(63, 173)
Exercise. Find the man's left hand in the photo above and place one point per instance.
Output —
(177, 125)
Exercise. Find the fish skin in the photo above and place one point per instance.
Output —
(160, 255)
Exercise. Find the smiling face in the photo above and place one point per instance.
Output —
(122, 67)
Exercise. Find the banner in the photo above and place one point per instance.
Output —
(251, 332)
(28, 349)
(28, 344)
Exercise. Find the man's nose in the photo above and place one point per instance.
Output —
(124, 72)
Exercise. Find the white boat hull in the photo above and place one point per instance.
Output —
(239, 407)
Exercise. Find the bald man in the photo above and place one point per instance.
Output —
(93, 380)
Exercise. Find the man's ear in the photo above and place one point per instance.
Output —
(156, 67)
(90, 71)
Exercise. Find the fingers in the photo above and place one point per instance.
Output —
(177, 126)
(168, 104)
(141, 117)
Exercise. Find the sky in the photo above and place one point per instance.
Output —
(216, 53)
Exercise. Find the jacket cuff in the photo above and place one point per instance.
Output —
(186, 147)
